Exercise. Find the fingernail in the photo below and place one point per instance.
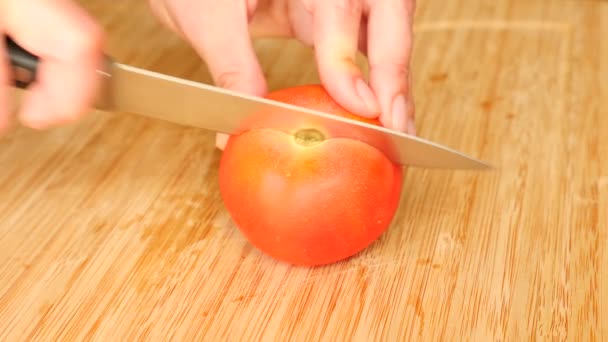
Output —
(366, 95)
(411, 127)
(220, 141)
(399, 114)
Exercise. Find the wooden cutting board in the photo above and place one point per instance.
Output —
(113, 228)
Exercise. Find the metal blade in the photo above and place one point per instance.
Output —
(189, 103)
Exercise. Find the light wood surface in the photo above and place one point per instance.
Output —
(114, 229)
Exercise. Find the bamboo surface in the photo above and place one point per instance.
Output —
(113, 228)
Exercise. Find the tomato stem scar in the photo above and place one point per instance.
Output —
(309, 137)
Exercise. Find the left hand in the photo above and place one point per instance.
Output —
(220, 31)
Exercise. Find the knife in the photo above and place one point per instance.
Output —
(133, 90)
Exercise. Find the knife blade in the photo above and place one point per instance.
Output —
(129, 89)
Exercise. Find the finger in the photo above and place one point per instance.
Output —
(221, 140)
(218, 31)
(164, 15)
(4, 84)
(68, 43)
(389, 50)
(336, 40)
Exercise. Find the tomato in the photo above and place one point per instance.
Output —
(304, 198)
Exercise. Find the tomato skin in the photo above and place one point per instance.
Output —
(308, 204)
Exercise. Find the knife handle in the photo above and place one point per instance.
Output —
(24, 65)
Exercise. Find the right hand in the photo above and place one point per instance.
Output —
(68, 43)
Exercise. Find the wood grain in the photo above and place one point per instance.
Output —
(113, 228)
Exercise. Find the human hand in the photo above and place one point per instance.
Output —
(220, 32)
(68, 43)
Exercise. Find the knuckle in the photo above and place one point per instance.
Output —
(398, 68)
(250, 83)
(228, 79)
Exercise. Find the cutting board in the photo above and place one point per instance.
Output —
(113, 228)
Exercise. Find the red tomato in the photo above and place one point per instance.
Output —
(308, 201)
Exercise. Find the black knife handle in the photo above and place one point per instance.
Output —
(24, 65)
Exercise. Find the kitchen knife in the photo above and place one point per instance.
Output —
(132, 90)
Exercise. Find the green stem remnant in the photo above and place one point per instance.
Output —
(309, 137)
